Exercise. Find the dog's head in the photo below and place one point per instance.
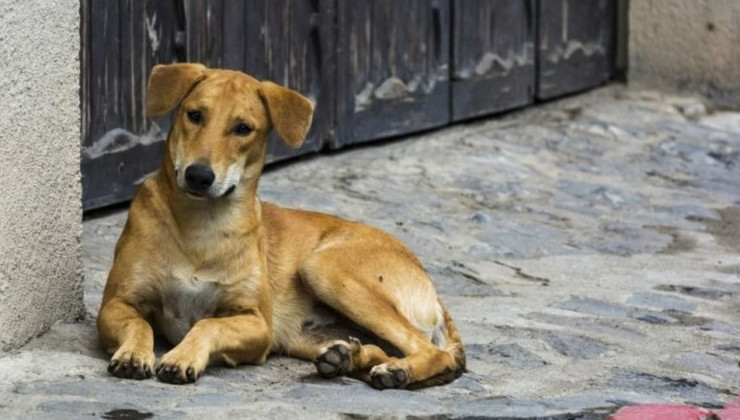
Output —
(219, 134)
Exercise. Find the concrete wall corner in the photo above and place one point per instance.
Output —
(40, 200)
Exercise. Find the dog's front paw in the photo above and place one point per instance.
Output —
(132, 364)
(385, 376)
(180, 367)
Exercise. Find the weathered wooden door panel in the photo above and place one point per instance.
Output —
(121, 41)
(576, 45)
(392, 67)
(290, 42)
(493, 66)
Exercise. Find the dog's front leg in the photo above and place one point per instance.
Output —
(238, 339)
(128, 336)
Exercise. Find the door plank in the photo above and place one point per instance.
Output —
(492, 56)
(390, 80)
(120, 145)
(576, 45)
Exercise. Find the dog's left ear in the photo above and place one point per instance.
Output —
(290, 112)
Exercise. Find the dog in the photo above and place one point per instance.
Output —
(227, 278)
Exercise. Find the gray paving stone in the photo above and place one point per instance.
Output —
(700, 292)
(664, 387)
(707, 364)
(609, 329)
(575, 346)
(595, 307)
(587, 250)
(729, 329)
(510, 354)
(661, 301)
(730, 347)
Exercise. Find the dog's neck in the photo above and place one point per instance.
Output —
(201, 223)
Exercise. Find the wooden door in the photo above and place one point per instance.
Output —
(374, 68)
(493, 63)
(392, 68)
(120, 41)
(576, 45)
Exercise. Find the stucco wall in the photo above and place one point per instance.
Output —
(40, 212)
(687, 44)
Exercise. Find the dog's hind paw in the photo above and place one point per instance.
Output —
(385, 376)
(333, 361)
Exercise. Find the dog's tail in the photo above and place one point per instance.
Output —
(454, 346)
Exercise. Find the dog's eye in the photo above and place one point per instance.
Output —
(242, 129)
(195, 117)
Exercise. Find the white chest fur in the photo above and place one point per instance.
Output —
(185, 302)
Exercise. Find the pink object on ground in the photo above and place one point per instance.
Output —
(677, 412)
(731, 410)
(661, 412)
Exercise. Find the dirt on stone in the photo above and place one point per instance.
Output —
(679, 243)
(726, 229)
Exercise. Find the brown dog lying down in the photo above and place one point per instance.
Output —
(226, 277)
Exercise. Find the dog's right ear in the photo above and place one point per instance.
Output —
(168, 85)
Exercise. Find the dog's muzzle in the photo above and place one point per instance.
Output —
(201, 182)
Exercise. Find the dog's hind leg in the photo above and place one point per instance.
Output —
(391, 296)
(336, 345)
(339, 357)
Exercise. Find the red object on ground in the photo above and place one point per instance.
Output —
(731, 410)
(677, 412)
(661, 412)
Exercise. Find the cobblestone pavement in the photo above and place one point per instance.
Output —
(587, 249)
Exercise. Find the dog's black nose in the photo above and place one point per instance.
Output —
(199, 177)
